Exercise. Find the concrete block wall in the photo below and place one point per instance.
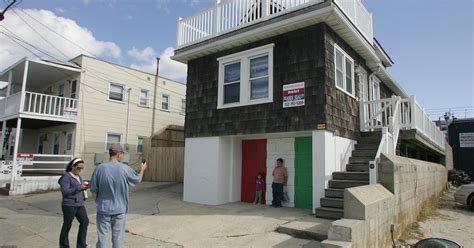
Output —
(404, 184)
(281, 148)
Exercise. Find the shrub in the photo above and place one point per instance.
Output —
(458, 177)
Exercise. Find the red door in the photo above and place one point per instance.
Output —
(254, 160)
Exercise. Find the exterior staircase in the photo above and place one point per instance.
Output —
(356, 174)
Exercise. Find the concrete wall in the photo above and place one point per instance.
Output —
(281, 148)
(449, 159)
(331, 153)
(369, 210)
(26, 185)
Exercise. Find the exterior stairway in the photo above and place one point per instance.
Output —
(356, 174)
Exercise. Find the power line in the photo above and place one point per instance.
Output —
(42, 37)
(95, 56)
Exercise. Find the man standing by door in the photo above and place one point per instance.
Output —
(110, 183)
(280, 177)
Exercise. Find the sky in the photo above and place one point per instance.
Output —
(430, 41)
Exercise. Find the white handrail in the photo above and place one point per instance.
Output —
(49, 105)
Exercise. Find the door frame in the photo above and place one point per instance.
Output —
(70, 152)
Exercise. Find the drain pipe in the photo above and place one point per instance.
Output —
(155, 96)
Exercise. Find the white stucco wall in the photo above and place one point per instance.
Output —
(281, 148)
(212, 170)
(330, 154)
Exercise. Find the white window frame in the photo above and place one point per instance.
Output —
(39, 142)
(123, 93)
(169, 102)
(245, 88)
(183, 106)
(107, 140)
(73, 94)
(345, 56)
(147, 98)
(138, 139)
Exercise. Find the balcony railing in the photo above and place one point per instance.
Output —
(359, 16)
(39, 105)
(229, 15)
(408, 114)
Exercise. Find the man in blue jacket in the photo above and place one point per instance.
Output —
(109, 185)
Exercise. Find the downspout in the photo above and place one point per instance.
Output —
(128, 117)
(154, 97)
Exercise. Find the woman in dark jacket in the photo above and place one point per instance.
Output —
(72, 189)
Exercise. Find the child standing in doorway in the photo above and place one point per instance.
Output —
(259, 188)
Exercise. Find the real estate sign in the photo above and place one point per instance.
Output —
(466, 140)
(293, 95)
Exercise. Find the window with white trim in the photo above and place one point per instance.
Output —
(344, 71)
(116, 92)
(140, 142)
(165, 102)
(61, 90)
(246, 78)
(112, 138)
(143, 101)
(73, 88)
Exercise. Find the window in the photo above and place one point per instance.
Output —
(143, 101)
(113, 138)
(116, 92)
(73, 88)
(56, 143)
(41, 139)
(69, 142)
(141, 139)
(344, 69)
(165, 101)
(246, 78)
(183, 106)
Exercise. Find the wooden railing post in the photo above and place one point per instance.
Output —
(265, 8)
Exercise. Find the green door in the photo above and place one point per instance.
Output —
(303, 172)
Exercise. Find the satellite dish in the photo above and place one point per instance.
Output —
(436, 243)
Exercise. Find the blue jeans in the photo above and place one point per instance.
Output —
(277, 190)
(69, 213)
(105, 223)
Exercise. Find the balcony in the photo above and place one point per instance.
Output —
(230, 15)
(39, 106)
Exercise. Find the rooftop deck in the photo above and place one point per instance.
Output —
(230, 15)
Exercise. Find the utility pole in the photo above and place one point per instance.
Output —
(155, 96)
(128, 117)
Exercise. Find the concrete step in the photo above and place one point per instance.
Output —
(371, 133)
(364, 153)
(334, 193)
(332, 202)
(330, 213)
(350, 175)
(358, 167)
(369, 147)
(344, 184)
(306, 229)
(364, 160)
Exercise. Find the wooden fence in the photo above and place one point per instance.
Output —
(165, 156)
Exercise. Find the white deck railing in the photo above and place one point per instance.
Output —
(229, 15)
(359, 15)
(407, 113)
(392, 115)
(38, 104)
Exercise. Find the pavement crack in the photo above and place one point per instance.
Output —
(146, 237)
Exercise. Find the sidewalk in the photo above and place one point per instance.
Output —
(159, 218)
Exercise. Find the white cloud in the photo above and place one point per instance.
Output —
(168, 67)
(144, 55)
(86, 2)
(10, 52)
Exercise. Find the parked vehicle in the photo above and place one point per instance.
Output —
(465, 195)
